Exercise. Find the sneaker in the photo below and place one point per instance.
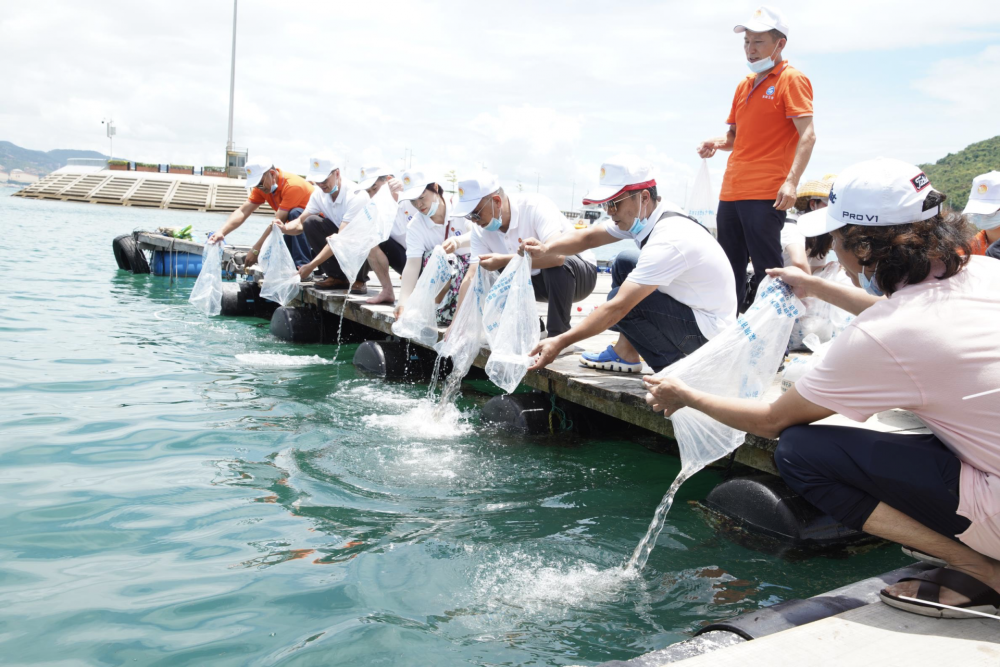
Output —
(358, 287)
(608, 360)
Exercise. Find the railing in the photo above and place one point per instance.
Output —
(86, 162)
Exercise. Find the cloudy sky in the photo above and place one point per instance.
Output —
(539, 92)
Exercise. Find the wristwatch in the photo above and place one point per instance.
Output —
(254, 251)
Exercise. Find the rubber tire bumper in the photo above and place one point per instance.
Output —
(128, 255)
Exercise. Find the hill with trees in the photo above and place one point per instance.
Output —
(39, 162)
(953, 173)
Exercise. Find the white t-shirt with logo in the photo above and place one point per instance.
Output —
(531, 216)
(404, 215)
(351, 200)
(423, 234)
(686, 262)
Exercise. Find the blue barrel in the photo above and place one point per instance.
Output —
(179, 264)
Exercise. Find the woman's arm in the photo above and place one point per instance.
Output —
(767, 420)
(411, 272)
(849, 298)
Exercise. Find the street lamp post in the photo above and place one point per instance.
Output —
(109, 125)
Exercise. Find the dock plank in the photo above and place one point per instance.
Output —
(875, 634)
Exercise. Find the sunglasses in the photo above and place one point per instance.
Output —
(475, 215)
(612, 206)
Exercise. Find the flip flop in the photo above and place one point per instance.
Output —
(982, 598)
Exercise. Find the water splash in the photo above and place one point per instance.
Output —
(278, 360)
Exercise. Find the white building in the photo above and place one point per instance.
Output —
(19, 176)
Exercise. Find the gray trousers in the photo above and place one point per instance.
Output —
(561, 286)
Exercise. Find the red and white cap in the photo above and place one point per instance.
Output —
(472, 191)
(620, 174)
(320, 168)
(371, 174)
(765, 18)
(874, 193)
(985, 196)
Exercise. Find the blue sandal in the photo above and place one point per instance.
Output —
(608, 360)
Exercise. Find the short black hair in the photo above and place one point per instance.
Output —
(652, 193)
(777, 34)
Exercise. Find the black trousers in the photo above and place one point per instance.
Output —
(847, 471)
(750, 229)
(316, 229)
(561, 286)
(395, 252)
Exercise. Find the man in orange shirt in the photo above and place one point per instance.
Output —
(286, 193)
(771, 138)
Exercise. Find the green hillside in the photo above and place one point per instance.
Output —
(38, 162)
(953, 173)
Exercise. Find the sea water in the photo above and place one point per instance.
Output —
(181, 490)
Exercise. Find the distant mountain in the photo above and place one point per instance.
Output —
(953, 173)
(38, 162)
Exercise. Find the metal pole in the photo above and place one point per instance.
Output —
(232, 85)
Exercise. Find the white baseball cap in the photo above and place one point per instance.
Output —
(472, 191)
(320, 168)
(765, 18)
(371, 174)
(414, 184)
(985, 196)
(622, 173)
(874, 193)
(255, 171)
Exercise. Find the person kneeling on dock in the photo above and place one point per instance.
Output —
(500, 221)
(668, 296)
(433, 225)
(930, 348)
(336, 202)
(392, 251)
(287, 194)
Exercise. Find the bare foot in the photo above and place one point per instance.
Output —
(384, 296)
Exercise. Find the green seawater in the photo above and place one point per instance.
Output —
(185, 491)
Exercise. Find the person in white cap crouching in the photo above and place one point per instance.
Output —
(433, 224)
(668, 296)
(335, 202)
(286, 193)
(501, 221)
(391, 253)
(983, 210)
(929, 347)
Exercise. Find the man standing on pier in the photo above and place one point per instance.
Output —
(286, 193)
(771, 138)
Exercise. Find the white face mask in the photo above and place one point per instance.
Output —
(985, 222)
(764, 64)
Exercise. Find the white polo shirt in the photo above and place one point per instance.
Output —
(531, 216)
(423, 234)
(684, 261)
(350, 201)
(404, 216)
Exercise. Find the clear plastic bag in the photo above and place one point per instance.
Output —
(353, 242)
(511, 324)
(281, 279)
(419, 319)
(820, 318)
(207, 292)
(702, 203)
(740, 362)
(467, 335)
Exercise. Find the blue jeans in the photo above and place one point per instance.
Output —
(660, 328)
(297, 245)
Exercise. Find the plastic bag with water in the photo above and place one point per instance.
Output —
(820, 318)
(281, 279)
(740, 362)
(419, 319)
(702, 203)
(207, 292)
(353, 242)
(511, 324)
(467, 335)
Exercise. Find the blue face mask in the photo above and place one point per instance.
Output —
(433, 209)
(334, 190)
(638, 225)
(274, 186)
(869, 285)
(495, 223)
(762, 65)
